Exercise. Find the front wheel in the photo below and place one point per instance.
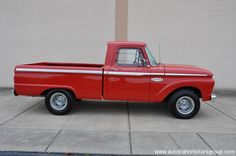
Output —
(59, 101)
(184, 104)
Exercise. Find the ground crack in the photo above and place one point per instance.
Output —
(130, 139)
(53, 140)
(221, 112)
(21, 113)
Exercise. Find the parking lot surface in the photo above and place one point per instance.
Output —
(102, 127)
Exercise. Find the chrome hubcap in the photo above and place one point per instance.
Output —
(185, 105)
(58, 101)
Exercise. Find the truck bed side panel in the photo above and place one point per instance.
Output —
(86, 83)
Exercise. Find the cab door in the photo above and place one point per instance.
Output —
(129, 76)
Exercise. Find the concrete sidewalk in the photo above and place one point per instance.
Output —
(114, 127)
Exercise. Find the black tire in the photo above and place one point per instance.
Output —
(184, 99)
(65, 106)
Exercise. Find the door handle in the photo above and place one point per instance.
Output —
(115, 69)
(157, 79)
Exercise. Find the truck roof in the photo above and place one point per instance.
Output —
(133, 43)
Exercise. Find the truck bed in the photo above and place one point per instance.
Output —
(84, 80)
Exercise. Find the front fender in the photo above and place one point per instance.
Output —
(205, 87)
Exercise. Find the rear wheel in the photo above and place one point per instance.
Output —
(59, 101)
(184, 104)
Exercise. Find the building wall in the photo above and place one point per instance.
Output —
(53, 30)
(199, 32)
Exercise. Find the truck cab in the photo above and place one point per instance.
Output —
(128, 70)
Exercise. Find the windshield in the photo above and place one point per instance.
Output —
(151, 58)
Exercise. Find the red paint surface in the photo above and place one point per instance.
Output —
(113, 87)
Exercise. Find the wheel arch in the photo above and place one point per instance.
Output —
(197, 91)
(45, 92)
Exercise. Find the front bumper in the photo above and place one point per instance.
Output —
(213, 97)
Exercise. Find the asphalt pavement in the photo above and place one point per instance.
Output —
(105, 127)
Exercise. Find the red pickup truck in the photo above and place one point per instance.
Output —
(130, 73)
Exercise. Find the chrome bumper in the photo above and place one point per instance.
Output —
(13, 92)
(213, 97)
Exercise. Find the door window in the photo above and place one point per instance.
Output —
(130, 57)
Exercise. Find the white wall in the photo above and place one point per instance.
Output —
(199, 32)
(53, 30)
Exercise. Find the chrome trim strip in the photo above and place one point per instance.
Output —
(58, 71)
(157, 74)
(100, 72)
(179, 74)
(149, 74)
(132, 73)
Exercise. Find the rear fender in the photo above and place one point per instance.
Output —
(40, 89)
